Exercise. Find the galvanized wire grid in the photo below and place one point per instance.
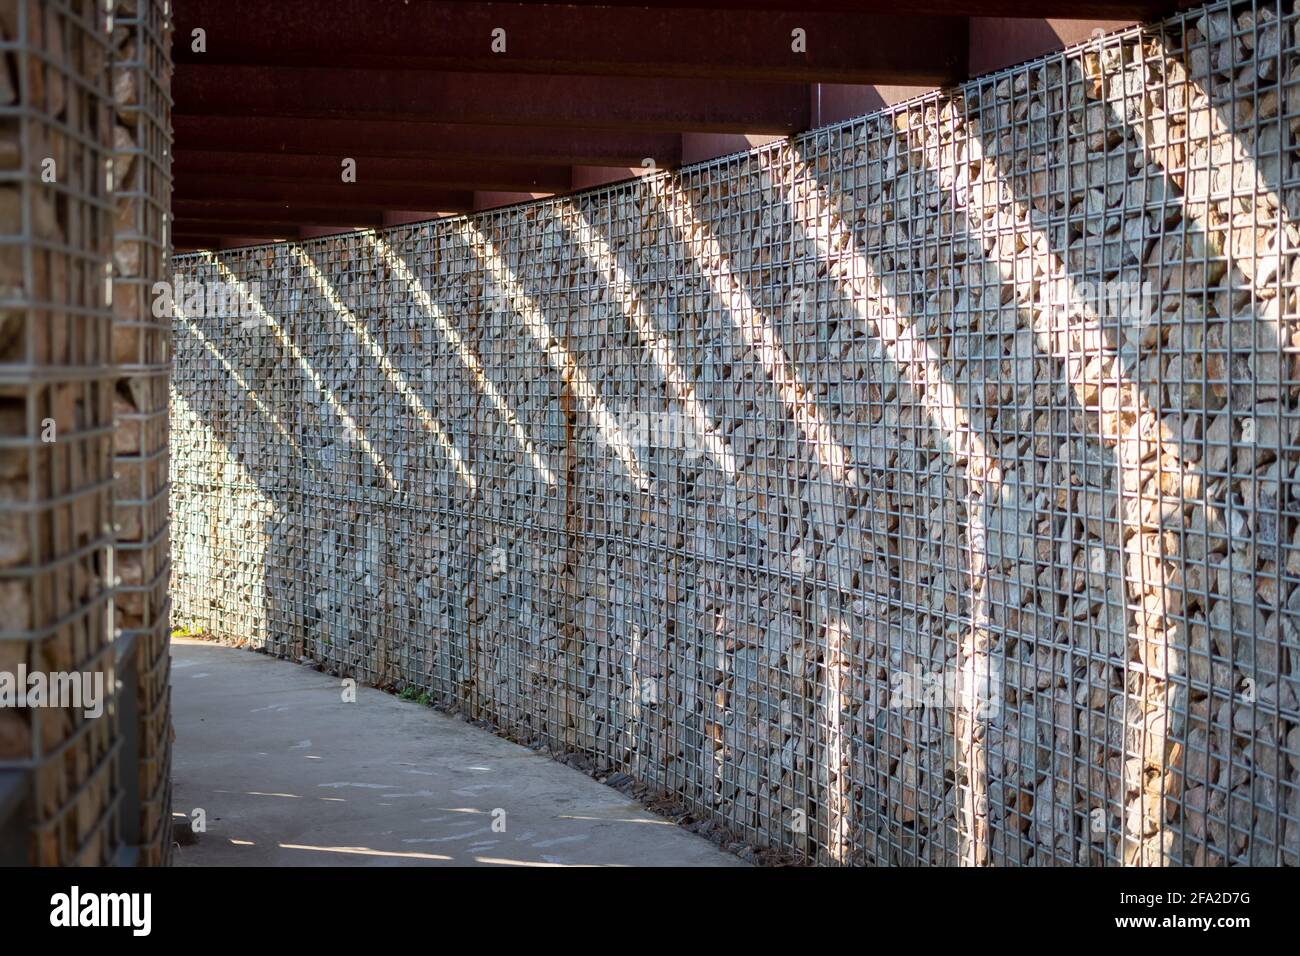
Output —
(56, 393)
(142, 351)
(915, 491)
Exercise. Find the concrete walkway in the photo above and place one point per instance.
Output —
(289, 775)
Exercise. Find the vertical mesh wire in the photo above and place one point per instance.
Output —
(56, 399)
(918, 490)
(142, 353)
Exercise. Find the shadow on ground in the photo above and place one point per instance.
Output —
(288, 774)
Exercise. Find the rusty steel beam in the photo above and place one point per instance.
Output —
(655, 103)
(359, 194)
(1030, 9)
(191, 238)
(216, 224)
(236, 227)
(327, 169)
(305, 214)
(578, 147)
(193, 242)
(838, 47)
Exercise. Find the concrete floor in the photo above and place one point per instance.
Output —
(290, 775)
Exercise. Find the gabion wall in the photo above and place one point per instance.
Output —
(56, 420)
(141, 41)
(918, 490)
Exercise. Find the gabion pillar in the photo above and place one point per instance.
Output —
(59, 778)
(142, 353)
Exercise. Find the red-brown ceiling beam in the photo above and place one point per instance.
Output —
(1076, 9)
(239, 188)
(194, 242)
(238, 227)
(601, 41)
(269, 227)
(306, 214)
(283, 230)
(374, 170)
(580, 147)
(655, 103)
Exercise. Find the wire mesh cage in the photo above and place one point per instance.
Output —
(56, 447)
(919, 490)
(142, 353)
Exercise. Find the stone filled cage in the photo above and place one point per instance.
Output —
(84, 399)
(56, 436)
(141, 39)
(916, 490)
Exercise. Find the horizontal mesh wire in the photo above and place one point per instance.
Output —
(56, 421)
(917, 490)
(142, 352)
